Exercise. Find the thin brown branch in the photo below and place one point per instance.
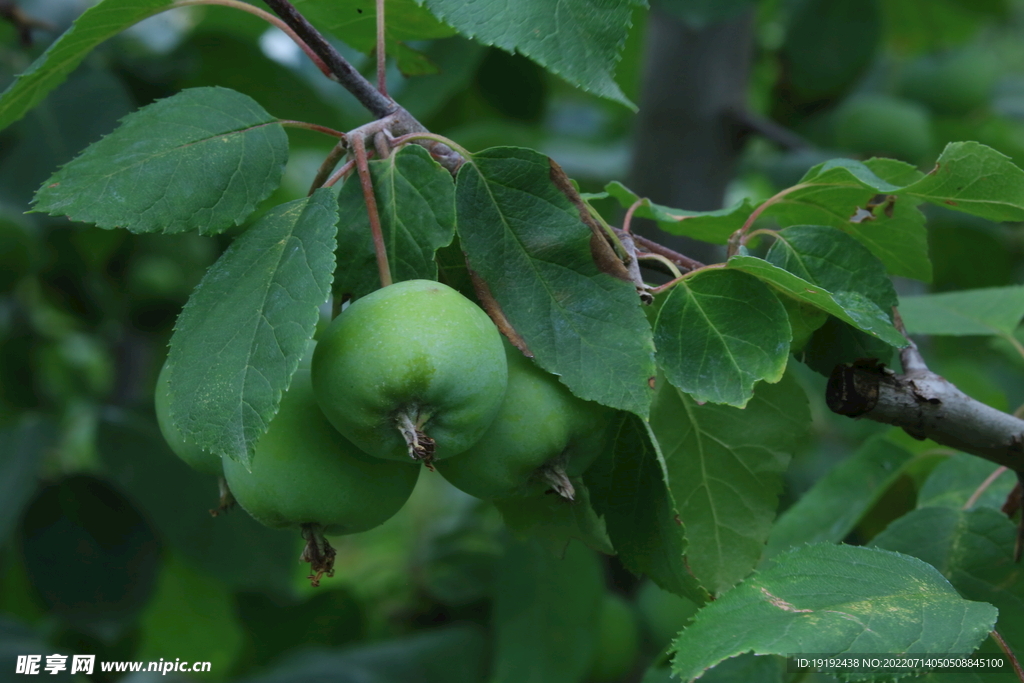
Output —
(330, 161)
(363, 168)
(750, 122)
(675, 257)
(1009, 653)
(382, 79)
(376, 103)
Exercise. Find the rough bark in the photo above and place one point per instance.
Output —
(689, 131)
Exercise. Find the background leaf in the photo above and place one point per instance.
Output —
(832, 259)
(954, 481)
(709, 226)
(528, 243)
(842, 194)
(416, 204)
(583, 49)
(199, 160)
(96, 24)
(860, 312)
(628, 487)
(724, 471)
(974, 550)
(232, 548)
(535, 643)
(835, 598)
(993, 310)
(832, 507)
(975, 179)
(720, 332)
(240, 337)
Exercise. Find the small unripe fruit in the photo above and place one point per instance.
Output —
(305, 472)
(542, 436)
(412, 370)
(190, 452)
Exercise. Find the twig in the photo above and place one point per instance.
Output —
(752, 122)
(376, 103)
(22, 22)
(341, 173)
(927, 406)
(1009, 653)
(382, 79)
(363, 168)
(315, 127)
(989, 480)
(330, 161)
(629, 215)
(673, 256)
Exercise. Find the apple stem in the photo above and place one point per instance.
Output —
(227, 500)
(421, 447)
(318, 552)
(559, 480)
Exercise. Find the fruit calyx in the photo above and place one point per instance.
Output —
(410, 425)
(227, 500)
(318, 553)
(553, 473)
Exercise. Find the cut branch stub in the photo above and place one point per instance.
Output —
(927, 406)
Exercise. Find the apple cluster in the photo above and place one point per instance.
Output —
(414, 373)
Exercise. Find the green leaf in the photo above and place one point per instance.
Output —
(190, 612)
(849, 307)
(526, 240)
(240, 337)
(833, 260)
(628, 488)
(724, 471)
(554, 522)
(720, 332)
(355, 22)
(545, 614)
(835, 599)
(954, 481)
(974, 179)
(842, 194)
(709, 226)
(835, 504)
(199, 160)
(579, 40)
(974, 550)
(416, 204)
(836, 342)
(177, 500)
(96, 24)
(989, 311)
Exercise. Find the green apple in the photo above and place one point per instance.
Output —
(305, 474)
(543, 435)
(412, 370)
(663, 614)
(884, 126)
(190, 452)
(618, 641)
